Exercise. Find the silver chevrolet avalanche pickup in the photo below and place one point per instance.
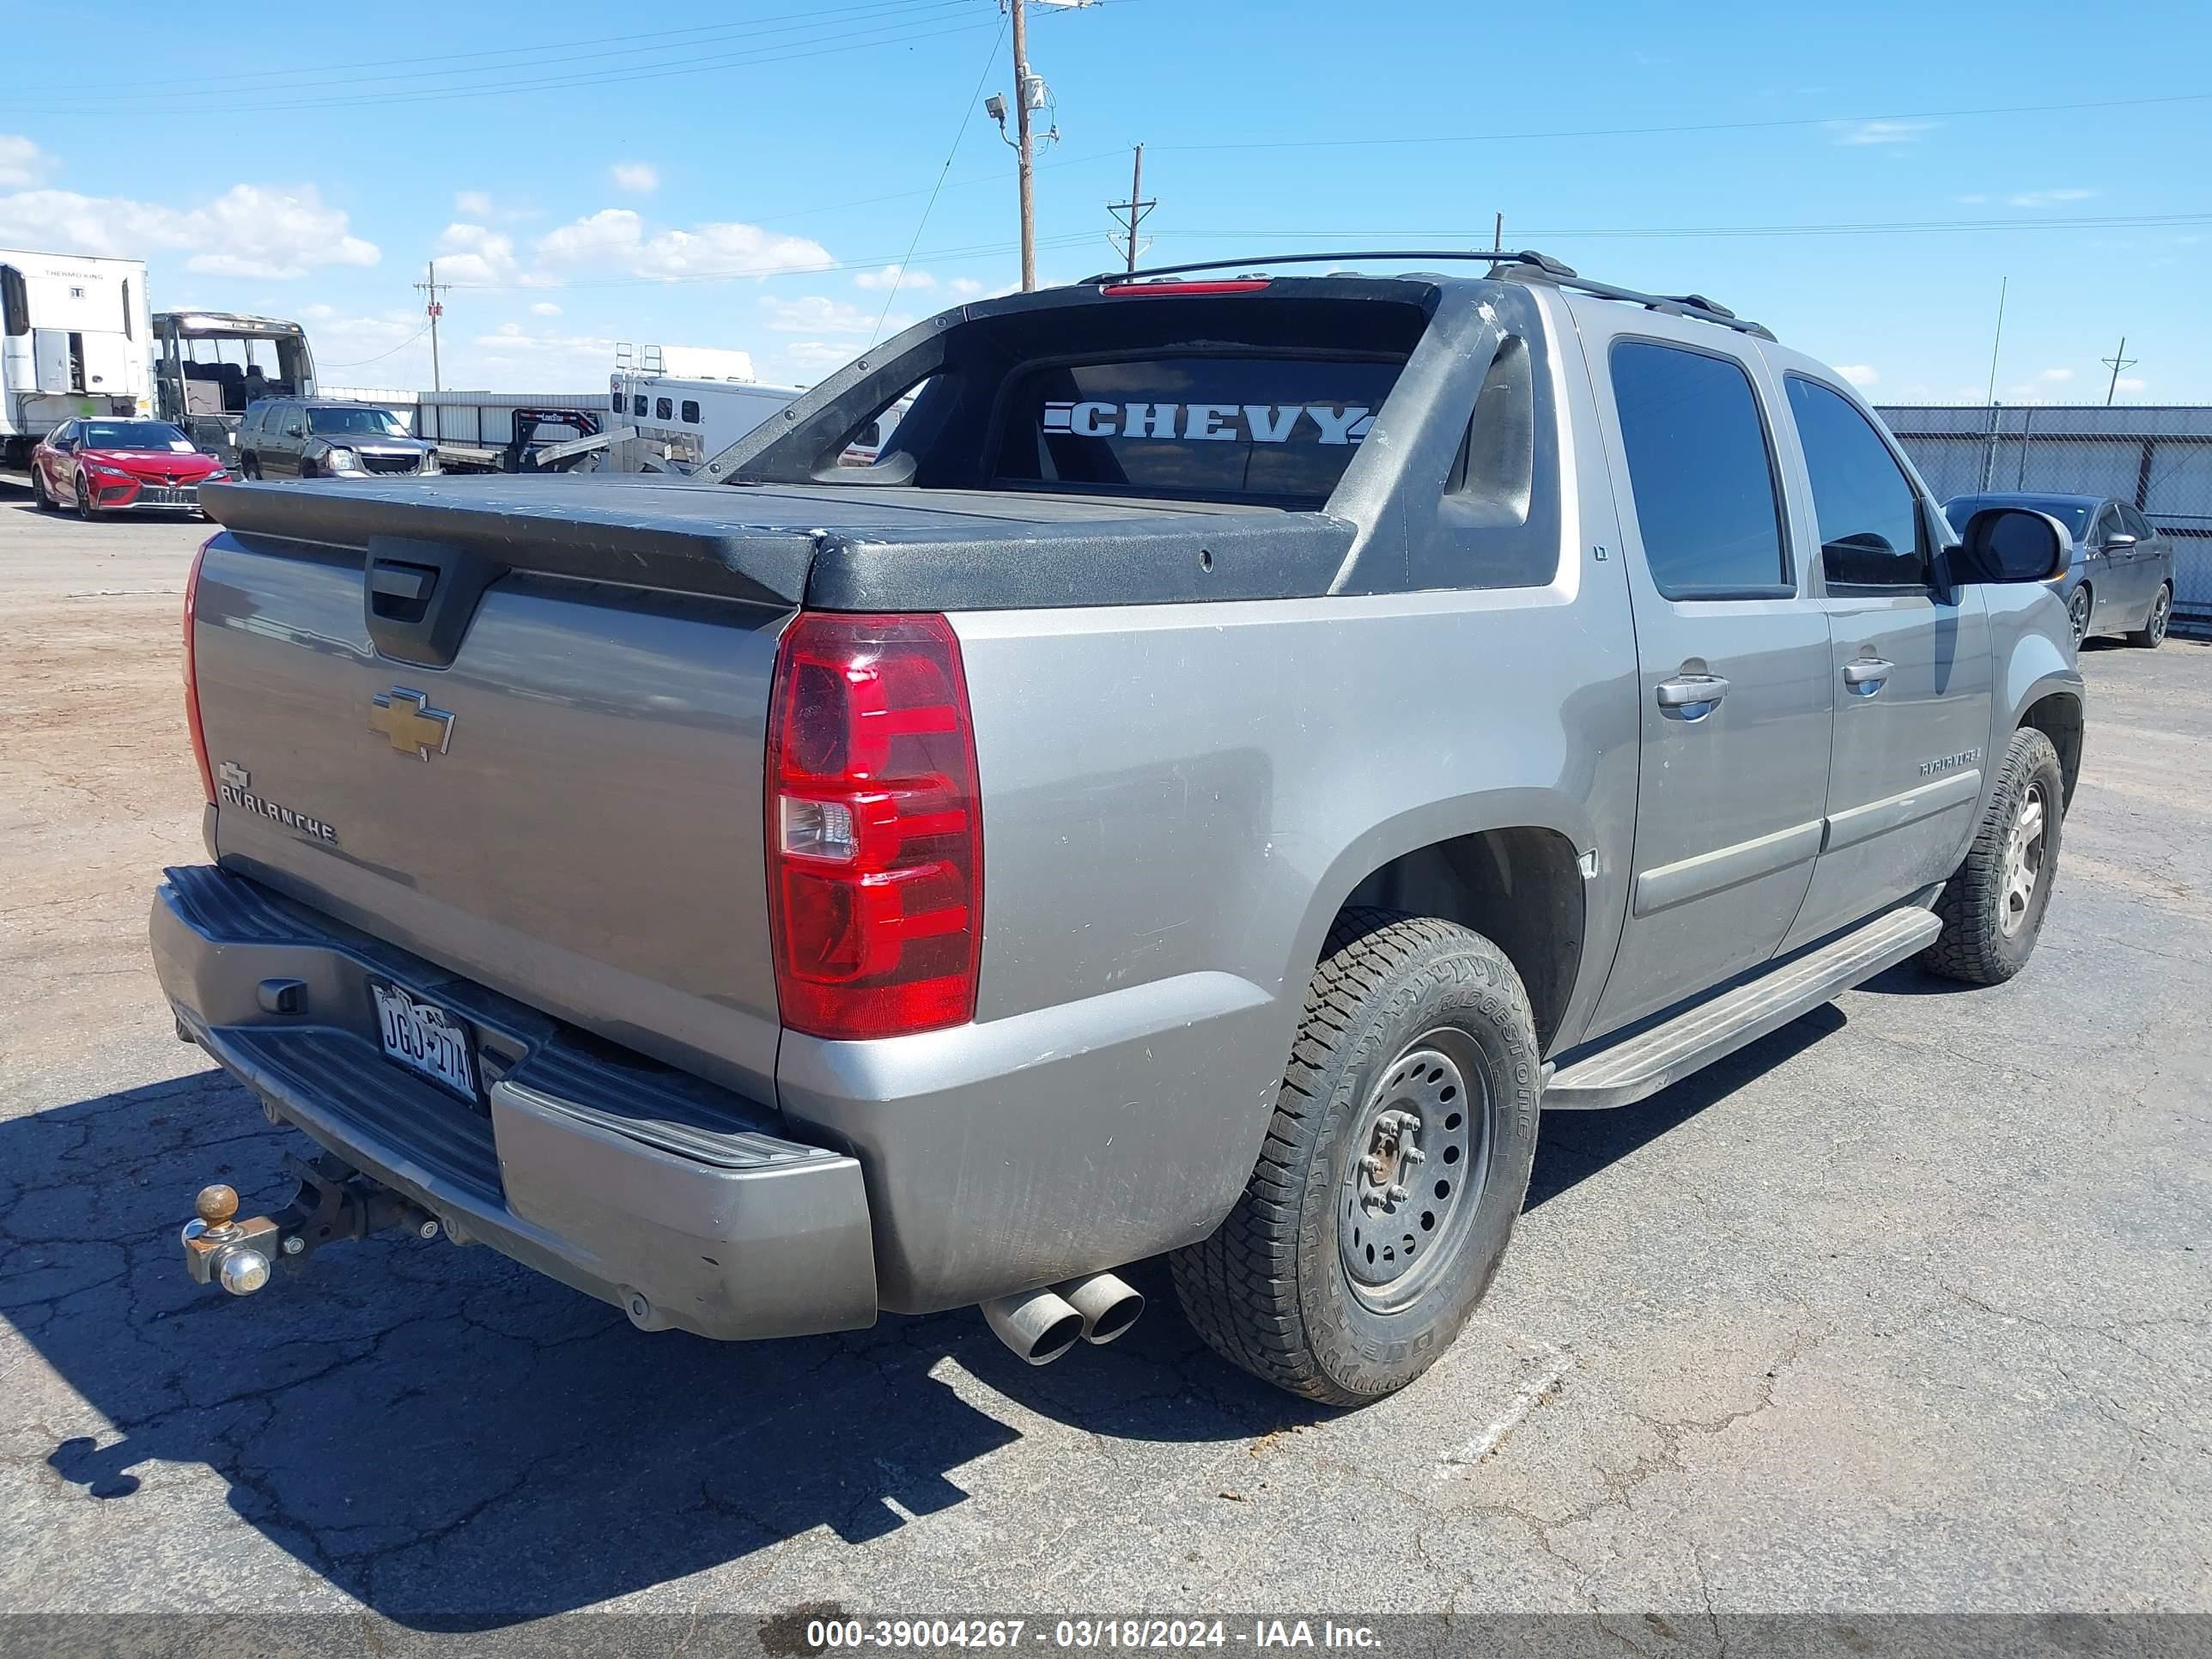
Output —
(1245, 745)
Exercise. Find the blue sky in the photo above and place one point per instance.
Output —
(584, 183)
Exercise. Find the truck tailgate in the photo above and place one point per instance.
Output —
(569, 810)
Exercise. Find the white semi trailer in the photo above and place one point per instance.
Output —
(76, 339)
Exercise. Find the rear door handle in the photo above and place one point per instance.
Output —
(1868, 675)
(1695, 695)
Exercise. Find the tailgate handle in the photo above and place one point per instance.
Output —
(396, 586)
(421, 597)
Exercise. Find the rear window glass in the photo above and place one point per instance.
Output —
(1216, 427)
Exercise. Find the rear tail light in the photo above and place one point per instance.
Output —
(192, 676)
(875, 831)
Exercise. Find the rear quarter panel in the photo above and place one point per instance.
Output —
(1177, 800)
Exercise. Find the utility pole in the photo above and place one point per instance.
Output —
(435, 311)
(1997, 343)
(1022, 148)
(1498, 236)
(1136, 207)
(2118, 361)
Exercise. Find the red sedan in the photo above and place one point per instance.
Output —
(106, 466)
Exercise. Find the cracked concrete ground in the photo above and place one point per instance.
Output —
(1906, 1308)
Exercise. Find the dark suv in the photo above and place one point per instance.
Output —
(295, 438)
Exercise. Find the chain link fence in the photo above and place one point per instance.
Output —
(2161, 459)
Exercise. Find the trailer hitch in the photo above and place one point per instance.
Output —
(334, 1201)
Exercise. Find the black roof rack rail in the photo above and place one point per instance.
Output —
(1525, 264)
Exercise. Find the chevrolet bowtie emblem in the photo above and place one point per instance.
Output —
(407, 718)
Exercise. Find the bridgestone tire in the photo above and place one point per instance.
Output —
(1975, 945)
(1270, 1289)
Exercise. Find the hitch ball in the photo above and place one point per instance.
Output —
(221, 1249)
(243, 1271)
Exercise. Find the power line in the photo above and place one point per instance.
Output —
(363, 362)
(729, 26)
(967, 115)
(1869, 227)
(784, 53)
(1696, 126)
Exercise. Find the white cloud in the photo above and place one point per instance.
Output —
(2030, 198)
(964, 288)
(638, 178)
(476, 204)
(250, 230)
(817, 357)
(544, 309)
(474, 256)
(1880, 132)
(815, 313)
(22, 163)
(2041, 388)
(1858, 374)
(2130, 383)
(511, 347)
(615, 239)
(894, 276)
(1973, 201)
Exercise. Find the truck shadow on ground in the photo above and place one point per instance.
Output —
(463, 1445)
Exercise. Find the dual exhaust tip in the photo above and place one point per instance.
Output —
(1041, 1325)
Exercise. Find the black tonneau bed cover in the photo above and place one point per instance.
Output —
(830, 547)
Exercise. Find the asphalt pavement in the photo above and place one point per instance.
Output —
(1906, 1307)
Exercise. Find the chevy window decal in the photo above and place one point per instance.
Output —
(1263, 424)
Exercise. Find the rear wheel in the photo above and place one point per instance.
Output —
(1393, 1170)
(2077, 613)
(1993, 907)
(2152, 633)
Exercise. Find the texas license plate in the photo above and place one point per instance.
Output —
(427, 1038)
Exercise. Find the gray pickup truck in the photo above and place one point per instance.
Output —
(1245, 746)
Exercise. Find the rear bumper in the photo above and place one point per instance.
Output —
(682, 1203)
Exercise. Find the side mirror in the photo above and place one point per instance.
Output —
(2012, 545)
(295, 432)
(2119, 542)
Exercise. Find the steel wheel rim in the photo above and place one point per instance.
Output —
(1392, 1248)
(2023, 859)
(2078, 614)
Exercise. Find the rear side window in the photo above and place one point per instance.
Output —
(1226, 428)
(1701, 473)
(1868, 511)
